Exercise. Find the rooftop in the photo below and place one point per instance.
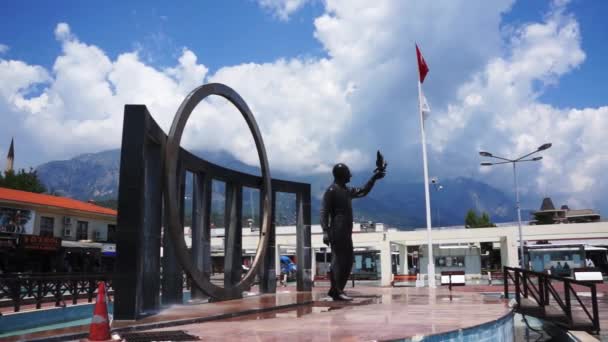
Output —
(25, 197)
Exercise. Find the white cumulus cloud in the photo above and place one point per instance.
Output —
(282, 9)
(299, 105)
(500, 110)
(485, 87)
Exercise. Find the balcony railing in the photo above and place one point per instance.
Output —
(19, 289)
(555, 299)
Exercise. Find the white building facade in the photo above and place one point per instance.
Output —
(453, 248)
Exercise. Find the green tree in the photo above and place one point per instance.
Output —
(22, 180)
(472, 220)
(484, 221)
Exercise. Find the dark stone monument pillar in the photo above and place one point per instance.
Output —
(136, 281)
(173, 275)
(152, 229)
(233, 223)
(268, 274)
(303, 247)
(201, 228)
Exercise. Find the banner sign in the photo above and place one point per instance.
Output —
(18, 221)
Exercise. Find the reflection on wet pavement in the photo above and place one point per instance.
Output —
(375, 314)
(317, 307)
(191, 313)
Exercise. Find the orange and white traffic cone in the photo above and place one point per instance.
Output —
(100, 324)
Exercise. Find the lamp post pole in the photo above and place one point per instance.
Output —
(438, 187)
(518, 206)
(517, 202)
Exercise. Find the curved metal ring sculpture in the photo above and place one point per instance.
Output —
(172, 190)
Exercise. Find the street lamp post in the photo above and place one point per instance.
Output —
(438, 187)
(517, 203)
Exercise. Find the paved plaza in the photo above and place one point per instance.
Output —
(375, 314)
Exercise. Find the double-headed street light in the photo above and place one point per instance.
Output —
(515, 161)
(438, 187)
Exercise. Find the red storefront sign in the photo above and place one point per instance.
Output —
(40, 243)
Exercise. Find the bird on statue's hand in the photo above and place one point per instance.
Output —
(381, 164)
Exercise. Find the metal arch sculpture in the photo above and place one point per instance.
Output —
(172, 190)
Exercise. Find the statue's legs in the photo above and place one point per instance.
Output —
(335, 271)
(341, 264)
(346, 264)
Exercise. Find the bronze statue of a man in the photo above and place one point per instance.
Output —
(337, 223)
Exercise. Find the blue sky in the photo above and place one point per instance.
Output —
(239, 31)
(222, 32)
(586, 86)
(328, 80)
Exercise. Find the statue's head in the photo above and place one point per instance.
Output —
(341, 173)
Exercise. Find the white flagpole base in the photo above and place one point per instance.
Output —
(431, 275)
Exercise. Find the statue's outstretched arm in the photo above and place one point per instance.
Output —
(379, 173)
(362, 192)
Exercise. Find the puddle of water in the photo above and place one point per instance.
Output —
(318, 307)
(286, 313)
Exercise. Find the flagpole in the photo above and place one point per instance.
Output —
(427, 195)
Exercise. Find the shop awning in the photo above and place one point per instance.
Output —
(81, 244)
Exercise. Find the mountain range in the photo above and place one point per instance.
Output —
(397, 203)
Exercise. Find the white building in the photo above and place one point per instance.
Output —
(44, 215)
(44, 233)
(457, 248)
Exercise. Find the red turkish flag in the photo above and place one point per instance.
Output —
(423, 69)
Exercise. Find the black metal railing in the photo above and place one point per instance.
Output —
(541, 288)
(18, 289)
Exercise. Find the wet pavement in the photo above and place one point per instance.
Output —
(375, 314)
(184, 314)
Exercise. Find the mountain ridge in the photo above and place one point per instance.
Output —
(95, 176)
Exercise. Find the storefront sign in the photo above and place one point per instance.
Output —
(449, 261)
(108, 249)
(40, 243)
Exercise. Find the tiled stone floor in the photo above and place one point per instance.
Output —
(181, 314)
(376, 314)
